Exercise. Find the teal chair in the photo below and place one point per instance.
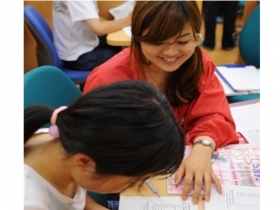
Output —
(249, 47)
(48, 85)
(249, 39)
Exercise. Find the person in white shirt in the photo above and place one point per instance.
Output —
(80, 34)
(111, 138)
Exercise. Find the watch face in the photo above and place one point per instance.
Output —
(205, 142)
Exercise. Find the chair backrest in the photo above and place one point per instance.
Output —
(50, 86)
(249, 40)
(45, 50)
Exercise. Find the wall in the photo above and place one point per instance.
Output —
(30, 60)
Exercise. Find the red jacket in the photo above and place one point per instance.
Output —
(207, 115)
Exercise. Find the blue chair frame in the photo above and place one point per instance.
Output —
(45, 49)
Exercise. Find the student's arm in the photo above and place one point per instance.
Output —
(92, 205)
(87, 11)
(102, 27)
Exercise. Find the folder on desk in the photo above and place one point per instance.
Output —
(240, 79)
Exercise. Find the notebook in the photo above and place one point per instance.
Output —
(240, 79)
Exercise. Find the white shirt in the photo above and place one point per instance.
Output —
(72, 36)
(39, 194)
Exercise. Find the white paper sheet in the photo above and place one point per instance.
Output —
(42, 130)
(234, 198)
(241, 78)
(247, 121)
(122, 11)
(155, 203)
(127, 30)
(252, 136)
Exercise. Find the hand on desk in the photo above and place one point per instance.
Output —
(197, 167)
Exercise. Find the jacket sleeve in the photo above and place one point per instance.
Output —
(93, 81)
(209, 113)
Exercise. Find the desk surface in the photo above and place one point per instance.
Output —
(242, 103)
(160, 182)
(118, 38)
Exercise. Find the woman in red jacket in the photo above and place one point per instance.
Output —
(164, 52)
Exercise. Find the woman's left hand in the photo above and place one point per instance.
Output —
(197, 167)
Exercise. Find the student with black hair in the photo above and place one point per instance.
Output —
(108, 140)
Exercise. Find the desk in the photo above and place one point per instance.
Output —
(118, 38)
(160, 182)
(242, 103)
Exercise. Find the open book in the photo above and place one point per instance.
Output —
(236, 164)
(228, 161)
(238, 169)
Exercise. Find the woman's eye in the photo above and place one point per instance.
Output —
(183, 42)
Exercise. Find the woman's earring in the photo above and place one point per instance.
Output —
(198, 39)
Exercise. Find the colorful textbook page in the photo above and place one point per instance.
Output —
(236, 164)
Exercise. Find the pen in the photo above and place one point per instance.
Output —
(152, 188)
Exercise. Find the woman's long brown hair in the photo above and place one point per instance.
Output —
(164, 20)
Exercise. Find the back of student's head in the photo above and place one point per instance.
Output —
(156, 21)
(127, 128)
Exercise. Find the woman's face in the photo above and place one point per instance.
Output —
(170, 54)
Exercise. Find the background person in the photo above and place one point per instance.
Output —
(228, 10)
(80, 34)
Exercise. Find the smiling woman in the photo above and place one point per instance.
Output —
(165, 52)
(162, 58)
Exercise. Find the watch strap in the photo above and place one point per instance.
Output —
(205, 142)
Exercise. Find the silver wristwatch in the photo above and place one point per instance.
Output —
(206, 143)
